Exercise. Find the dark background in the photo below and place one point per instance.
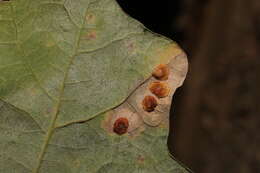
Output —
(215, 123)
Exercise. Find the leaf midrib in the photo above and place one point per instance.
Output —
(55, 116)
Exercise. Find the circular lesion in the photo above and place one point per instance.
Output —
(160, 89)
(121, 126)
(149, 103)
(161, 72)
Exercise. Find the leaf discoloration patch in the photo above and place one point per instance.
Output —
(142, 102)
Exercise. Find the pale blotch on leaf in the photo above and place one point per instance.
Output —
(143, 104)
(118, 116)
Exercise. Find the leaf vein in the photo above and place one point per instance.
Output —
(53, 121)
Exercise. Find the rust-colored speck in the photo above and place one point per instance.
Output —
(160, 89)
(121, 125)
(149, 103)
(91, 35)
(161, 72)
(140, 159)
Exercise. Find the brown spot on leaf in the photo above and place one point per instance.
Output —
(160, 89)
(91, 35)
(120, 126)
(149, 103)
(140, 159)
(161, 72)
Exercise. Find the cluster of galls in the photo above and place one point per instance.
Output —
(158, 89)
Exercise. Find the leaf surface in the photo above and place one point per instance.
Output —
(68, 68)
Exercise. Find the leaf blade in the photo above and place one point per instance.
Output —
(50, 53)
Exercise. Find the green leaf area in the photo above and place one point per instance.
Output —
(63, 65)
